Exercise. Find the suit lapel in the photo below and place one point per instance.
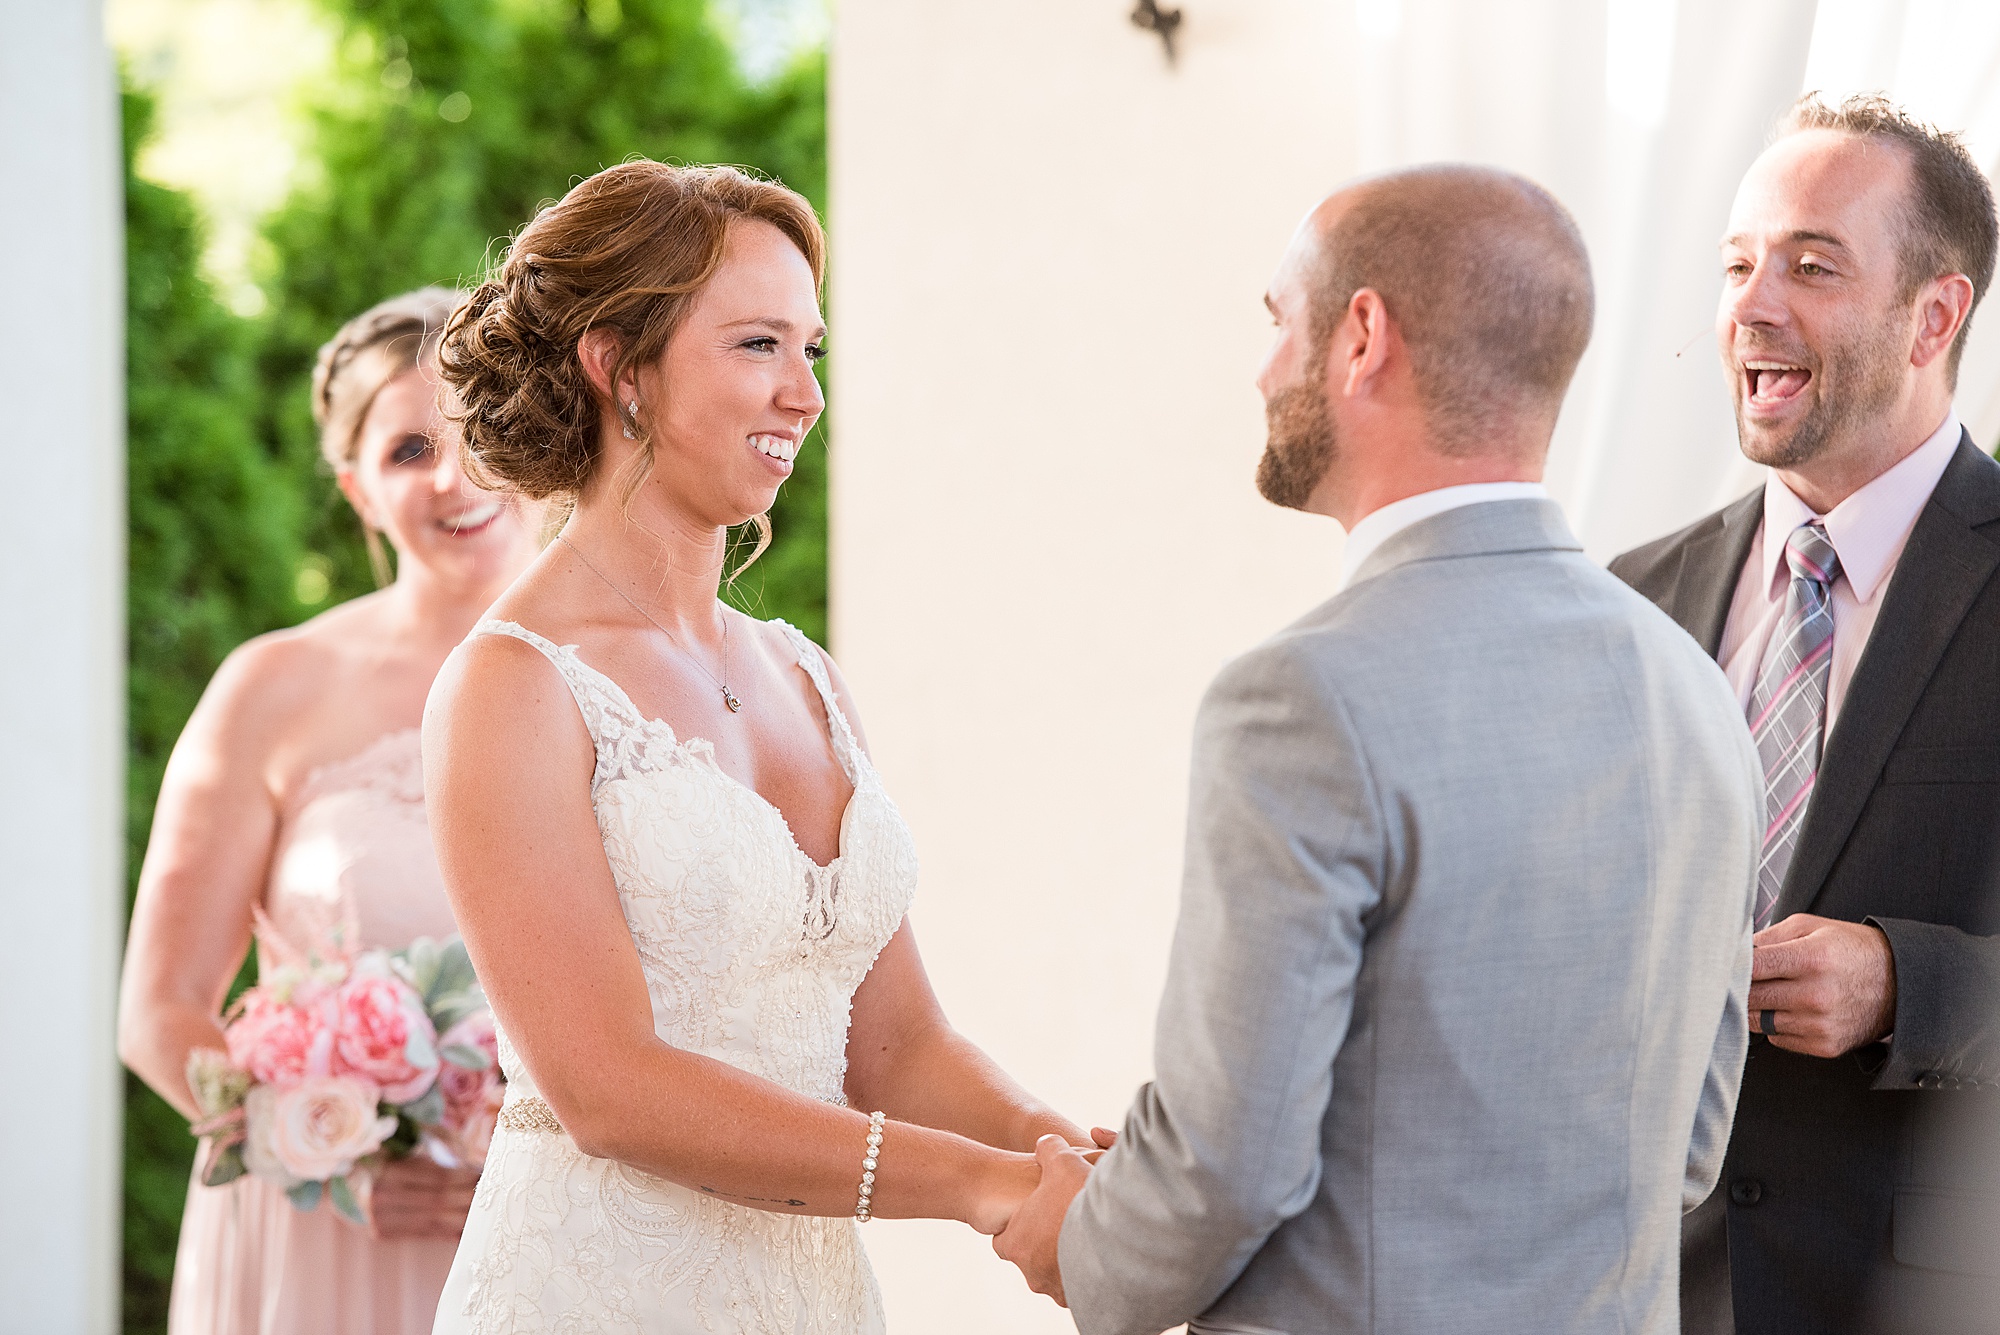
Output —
(1711, 564)
(1941, 571)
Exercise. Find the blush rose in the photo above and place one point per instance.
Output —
(314, 1130)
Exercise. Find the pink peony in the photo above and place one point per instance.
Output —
(471, 1098)
(468, 1126)
(462, 1084)
(385, 1036)
(278, 1043)
(315, 1130)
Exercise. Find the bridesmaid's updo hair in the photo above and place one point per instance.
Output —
(626, 251)
(372, 349)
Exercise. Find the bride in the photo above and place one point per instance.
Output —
(676, 869)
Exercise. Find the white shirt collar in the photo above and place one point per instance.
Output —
(1378, 527)
(1869, 528)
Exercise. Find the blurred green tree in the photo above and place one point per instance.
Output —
(213, 526)
(448, 123)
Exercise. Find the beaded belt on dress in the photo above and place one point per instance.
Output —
(529, 1113)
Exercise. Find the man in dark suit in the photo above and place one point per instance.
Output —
(1854, 603)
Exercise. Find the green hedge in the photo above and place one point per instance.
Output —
(448, 122)
(213, 523)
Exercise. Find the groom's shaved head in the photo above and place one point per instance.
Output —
(1484, 274)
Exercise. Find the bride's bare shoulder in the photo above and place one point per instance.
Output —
(498, 673)
(501, 692)
(502, 733)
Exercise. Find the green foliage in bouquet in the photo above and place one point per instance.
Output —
(449, 123)
(213, 523)
(441, 973)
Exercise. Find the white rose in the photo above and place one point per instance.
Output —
(258, 1122)
(313, 1131)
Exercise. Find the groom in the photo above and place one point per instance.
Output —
(1455, 1013)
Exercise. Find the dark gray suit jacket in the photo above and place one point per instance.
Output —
(1860, 1194)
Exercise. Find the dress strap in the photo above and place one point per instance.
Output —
(515, 630)
(614, 722)
(846, 749)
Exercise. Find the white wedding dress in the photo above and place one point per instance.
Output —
(752, 954)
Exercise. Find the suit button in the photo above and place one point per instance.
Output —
(1929, 1080)
(1746, 1191)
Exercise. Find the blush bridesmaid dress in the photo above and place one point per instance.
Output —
(353, 846)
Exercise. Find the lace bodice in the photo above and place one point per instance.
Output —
(752, 954)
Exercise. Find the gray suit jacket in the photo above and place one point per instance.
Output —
(1455, 1014)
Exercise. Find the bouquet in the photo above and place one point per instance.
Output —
(336, 1061)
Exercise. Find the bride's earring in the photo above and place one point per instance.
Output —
(632, 411)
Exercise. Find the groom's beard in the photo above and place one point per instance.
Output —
(1299, 447)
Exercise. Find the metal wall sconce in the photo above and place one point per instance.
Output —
(1149, 16)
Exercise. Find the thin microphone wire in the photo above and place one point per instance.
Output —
(1691, 342)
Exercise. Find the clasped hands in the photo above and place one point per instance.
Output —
(1032, 1230)
(1822, 987)
(1830, 987)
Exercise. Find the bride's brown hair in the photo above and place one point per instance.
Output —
(626, 251)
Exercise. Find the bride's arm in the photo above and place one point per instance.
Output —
(507, 776)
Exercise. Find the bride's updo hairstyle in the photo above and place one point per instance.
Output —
(373, 348)
(626, 251)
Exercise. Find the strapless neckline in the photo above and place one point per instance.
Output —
(393, 761)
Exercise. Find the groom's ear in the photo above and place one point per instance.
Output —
(1362, 348)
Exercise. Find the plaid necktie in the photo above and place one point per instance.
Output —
(1788, 707)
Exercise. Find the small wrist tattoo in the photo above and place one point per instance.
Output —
(751, 1200)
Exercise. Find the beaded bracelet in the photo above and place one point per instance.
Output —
(864, 1209)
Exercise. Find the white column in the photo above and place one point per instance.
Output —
(62, 561)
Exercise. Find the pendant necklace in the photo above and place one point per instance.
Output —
(721, 683)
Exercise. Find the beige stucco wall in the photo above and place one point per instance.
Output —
(1046, 310)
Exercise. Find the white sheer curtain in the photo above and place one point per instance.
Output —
(1642, 115)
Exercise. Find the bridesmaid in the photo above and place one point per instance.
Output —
(296, 787)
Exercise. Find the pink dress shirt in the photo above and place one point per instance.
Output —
(1868, 530)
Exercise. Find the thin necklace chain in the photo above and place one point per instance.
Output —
(721, 683)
